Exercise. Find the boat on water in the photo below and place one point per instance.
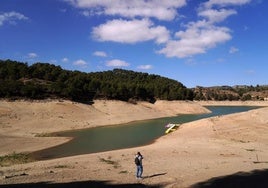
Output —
(171, 127)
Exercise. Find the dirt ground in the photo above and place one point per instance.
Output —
(222, 151)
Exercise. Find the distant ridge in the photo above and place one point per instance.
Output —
(43, 80)
(231, 93)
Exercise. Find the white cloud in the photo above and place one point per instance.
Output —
(53, 61)
(223, 3)
(196, 39)
(32, 55)
(162, 10)
(86, 13)
(132, 31)
(246, 28)
(63, 10)
(65, 59)
(145, 67)
(190, 62)
(117, 63)
(250, 72)
(100, 54)
(216, 15)
(80, 62)
(204, 34)
(233, 50)
(220, 60)
(11, 17)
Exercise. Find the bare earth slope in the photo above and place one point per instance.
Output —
(196, 152)
(22, 122)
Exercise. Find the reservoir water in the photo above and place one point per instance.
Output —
(128, 135)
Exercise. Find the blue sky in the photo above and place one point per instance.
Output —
(197, 42)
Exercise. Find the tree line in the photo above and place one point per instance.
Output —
(43, 80)
(223, 93)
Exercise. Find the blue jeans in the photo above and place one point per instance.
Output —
(139, 171)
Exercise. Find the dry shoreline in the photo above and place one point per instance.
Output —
(28, 123)
(196, 152)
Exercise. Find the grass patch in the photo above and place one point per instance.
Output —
(110, 162)
(123, 172)
(43, 135)
(61, 166)
(15, 158)
(250, 149)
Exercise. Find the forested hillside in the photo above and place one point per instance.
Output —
(239, 92)
(43, 80)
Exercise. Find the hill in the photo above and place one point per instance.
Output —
(43, 80)
(238, 92)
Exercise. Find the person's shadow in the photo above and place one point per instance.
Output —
(154, 175)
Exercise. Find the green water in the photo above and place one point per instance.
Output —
(124, 136)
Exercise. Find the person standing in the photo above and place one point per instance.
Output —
(138, 162)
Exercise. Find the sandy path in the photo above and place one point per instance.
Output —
(196, 152)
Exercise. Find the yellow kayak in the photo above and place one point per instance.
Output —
(171, 127)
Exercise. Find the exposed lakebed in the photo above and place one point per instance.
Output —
(128, 135)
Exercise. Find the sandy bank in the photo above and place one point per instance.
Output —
(25, 123)
(196, 152)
